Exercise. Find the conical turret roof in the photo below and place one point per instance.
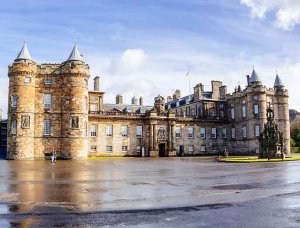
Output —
(24, 53)
(75, 55)
(254, 77)
(278, 82)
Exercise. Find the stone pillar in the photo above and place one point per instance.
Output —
(151, 137)
(154, 138)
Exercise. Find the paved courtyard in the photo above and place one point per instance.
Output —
(195, 192)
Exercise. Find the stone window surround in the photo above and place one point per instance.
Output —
(93, 130)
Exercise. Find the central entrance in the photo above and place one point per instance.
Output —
(162, 150)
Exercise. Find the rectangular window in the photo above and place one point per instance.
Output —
(233, 133)
(93, 149)
(94, 130)
(93, 108)
(244, 111)
(178, 132)
(138, 149)
(257, 130)
(47, 127)
(214, 133)
(202, 133)
(139, 132)
(124, 131)
(255, 109)
(124, 149)
(232, 114)
(202, 148)
(14, 127)
(244, 132)
(109, 148)
(48, 82)
(27, 80)
(224, 133)
(191, 149)
(47, 100)
(109, 130)
(190, 132)
(14, 101)
(222, 114)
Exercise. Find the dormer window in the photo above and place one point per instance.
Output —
(127, 109)
(187, 101)
(142, 110)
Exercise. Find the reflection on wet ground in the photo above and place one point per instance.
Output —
(33, 190)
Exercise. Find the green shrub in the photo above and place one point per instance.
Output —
(295, 149)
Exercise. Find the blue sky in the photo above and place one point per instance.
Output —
(145, 47)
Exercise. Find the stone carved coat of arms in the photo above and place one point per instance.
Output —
(161, 134)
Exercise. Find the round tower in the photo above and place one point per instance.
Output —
(74, 123)
(21, 101)
(281, 106)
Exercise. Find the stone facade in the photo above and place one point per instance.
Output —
(51, 108)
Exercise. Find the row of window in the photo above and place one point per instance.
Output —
(244, 111)
(48, 82)
(214, 135)
(109, 148)
(109, 130)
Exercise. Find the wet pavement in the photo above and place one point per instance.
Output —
(165, 192)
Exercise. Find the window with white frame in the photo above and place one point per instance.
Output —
(14, 101)
(48, 82)
(232, 113)
(255, 109)
(224, 133)
(190, 132)
(214, 133)
(191, 149)
(124, 130)
(93, 149)
(27, 80)
(139, 131)
(202, 148)
(138, 149)
(93, 108)
(244, 132)
(109, 130)
(47, 127)
(14, 127)
(124, 149)
(257, 130)
(233, 133)
(178, 132)
(109, 148)
(47, 100)
(94, 130)
(202, 133)
(244, 111)
(142, 110)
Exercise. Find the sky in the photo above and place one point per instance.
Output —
(145, 48)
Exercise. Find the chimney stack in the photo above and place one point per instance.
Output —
(119, 99)
(248, 79)
(96, 83)
(141, 101)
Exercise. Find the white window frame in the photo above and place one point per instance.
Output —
(213, 132)
(47, 127)
(257, 130)
(202, 133)
(224, 133)
(139, 132)
(203, 148)
(125, 149)
(244, 132)
(47, 100)
(191, 149)
(244, 111)
(14, 101)
(255, 109)
(93, 149)
(13, 127)
(124, 130)
(27, 80)
(233, 133)
(109, 148)
(138, 149)
(48, 82)
(232, 113)
(93, 130)
(109, 130)
(190, 132)
(178, 132)
(94, 107)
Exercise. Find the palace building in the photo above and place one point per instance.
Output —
(51, 108)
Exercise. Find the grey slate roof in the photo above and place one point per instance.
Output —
(123, 107)
(278, 82)
(24, 53)
(254, 77)
(75, 55)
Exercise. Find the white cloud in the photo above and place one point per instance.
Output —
(287, 11)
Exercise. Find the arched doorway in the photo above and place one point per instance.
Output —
(162, 150)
